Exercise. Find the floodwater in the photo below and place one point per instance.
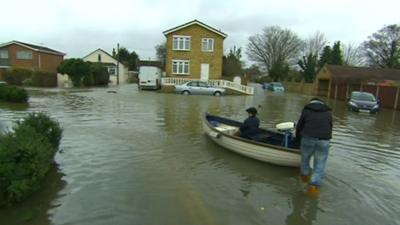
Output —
(141, 158)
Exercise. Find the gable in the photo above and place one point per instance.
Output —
(32, 47)
(195, 23)
(105, 57)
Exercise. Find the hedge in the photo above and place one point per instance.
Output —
(13, 94)
(37, 78)
(26, 155)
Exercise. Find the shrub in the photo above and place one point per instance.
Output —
(26, 156)
(44, 125)
(44, 79)
(17, 76)
(98, 75)
(13, 94)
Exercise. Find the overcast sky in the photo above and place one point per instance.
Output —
(78, 27)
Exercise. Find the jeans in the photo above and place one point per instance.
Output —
(319, 149)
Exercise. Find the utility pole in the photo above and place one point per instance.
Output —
(118, 64)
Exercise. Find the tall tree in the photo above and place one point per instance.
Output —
(275, 47)
(310, 52)
(382, 49)
(161, 53)
(231, 62)
(337, 55)
(127, 58)
(352, 55)
(325, 57)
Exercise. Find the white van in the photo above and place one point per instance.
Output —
(149, 77)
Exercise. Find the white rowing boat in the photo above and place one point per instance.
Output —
(271, 146)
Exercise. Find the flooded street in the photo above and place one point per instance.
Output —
(142, 158)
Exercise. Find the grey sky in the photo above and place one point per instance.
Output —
(78, 27)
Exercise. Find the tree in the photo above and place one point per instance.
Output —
(127, 58)
(325, 56)
(352, 55)
(252, 72)
(309, 61)
(76, 69)
(337, 55)
(382, 49)
(231, 62)
(275, 47)
(161, 53)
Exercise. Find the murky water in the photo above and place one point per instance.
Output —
(142, 158)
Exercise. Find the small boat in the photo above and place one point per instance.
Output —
(275, 147)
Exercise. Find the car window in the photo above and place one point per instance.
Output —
(363, 96)
(192, 84)
(203, 84)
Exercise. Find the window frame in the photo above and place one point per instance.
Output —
(180, 67)
(181, 40)
(206, 42)
(6, 53)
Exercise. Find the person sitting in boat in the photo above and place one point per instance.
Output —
(249, 128)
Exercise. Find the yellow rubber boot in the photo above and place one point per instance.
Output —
(313, 191)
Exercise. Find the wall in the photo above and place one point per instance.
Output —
(301, 87)
(195, 55)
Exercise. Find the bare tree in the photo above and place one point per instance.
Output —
(275, 48)
(314, 44)
(382, 49)
(353, 55)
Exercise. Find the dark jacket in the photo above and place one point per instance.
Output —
(315, 121)
(249, 128)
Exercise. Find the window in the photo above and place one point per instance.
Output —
(181, 43)
(112, 70)
(207, 44)
(4, 54)
(180, 67)
(203, 84)
(99, 57)
(24, 55)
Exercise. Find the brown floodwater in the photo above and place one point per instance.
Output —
(135, 157)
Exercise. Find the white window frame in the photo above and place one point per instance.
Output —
(4, 54)
(181, 45)
(206, 43)
(24, 55)
(180, 67)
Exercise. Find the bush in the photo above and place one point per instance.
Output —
(44, 79)
(26, 156)
(98, 76)
(13, 94)
(17, 76)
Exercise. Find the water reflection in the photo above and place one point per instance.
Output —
(304, 210)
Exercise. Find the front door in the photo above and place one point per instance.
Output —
(205, 71)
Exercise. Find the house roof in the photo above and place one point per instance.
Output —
(99, 49)
(362, 73)
(33, 47)
(193, 22)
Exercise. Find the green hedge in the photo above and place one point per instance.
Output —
(13, 94)
(26, 155)
(37, 78)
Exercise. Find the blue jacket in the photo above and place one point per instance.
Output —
(249, 128)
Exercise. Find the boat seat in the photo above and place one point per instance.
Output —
(231, 130)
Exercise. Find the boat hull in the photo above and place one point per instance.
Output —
(264, 152)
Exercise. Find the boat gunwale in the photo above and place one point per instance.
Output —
(276, 147)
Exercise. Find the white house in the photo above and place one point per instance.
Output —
(111, 63)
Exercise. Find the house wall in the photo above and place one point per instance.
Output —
(105, 58)
(196, 55)
(39, 61)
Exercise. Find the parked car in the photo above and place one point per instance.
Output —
(276, 86)
(199, 88)
(363, 102)
(149, 77)
(265, 85)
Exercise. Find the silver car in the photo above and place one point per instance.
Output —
(199, 88)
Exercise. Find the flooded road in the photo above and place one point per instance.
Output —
(142, 158)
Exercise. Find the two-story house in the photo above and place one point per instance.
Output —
(105, 58)
(23, 55)
(194, 50)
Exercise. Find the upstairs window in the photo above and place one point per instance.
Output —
(207, 44)
(24, 55)
(3, 54)
(181, 43)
